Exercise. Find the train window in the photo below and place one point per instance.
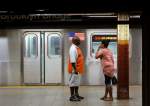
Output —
(30, 46)
(96, 41)
(54, 44)
(94, 46)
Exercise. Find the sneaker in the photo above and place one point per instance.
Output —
(74, 98)
(108, 99)
(103, 98)
(80, 97)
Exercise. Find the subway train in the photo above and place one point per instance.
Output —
(40, 56)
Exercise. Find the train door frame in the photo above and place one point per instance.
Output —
(42, 68)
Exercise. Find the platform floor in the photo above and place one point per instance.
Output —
(59, 96)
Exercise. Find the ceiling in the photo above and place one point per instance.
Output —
(70, 6)
(76, 9)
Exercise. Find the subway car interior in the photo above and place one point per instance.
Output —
(35, 44)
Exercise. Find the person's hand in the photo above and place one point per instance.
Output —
(101, 57)
(98, 48)
(76, 72)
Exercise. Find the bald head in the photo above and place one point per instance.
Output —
(76, 40)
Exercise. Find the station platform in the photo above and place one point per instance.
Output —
(59, 96)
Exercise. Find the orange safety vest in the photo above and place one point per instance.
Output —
(79, 62)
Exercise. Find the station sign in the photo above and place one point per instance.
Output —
(38, 18)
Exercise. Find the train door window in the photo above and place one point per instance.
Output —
(94, 45)
(54, 43)
(30, 46)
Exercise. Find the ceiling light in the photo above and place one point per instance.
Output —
(135, 16)
(3, 11)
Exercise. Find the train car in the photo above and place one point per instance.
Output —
(39, 56)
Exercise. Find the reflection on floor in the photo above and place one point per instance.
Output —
(59, 96)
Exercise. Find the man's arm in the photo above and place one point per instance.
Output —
(73, 57)
(74, 67)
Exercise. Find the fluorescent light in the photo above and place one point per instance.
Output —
(92, 14)
(135, 16)
(46, 14)
(40, 10)
(100, 16)
(3, 11)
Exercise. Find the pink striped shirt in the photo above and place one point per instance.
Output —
(107, 61)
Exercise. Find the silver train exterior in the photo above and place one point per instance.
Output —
(22, 63)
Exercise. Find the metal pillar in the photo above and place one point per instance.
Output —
(123, 57)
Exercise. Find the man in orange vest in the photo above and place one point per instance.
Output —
(76, 63)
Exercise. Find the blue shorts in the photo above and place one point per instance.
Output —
(107, 80)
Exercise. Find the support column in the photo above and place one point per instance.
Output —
(123, 57)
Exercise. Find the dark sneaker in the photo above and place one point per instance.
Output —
(108, 99)
(74, 98)
(102, 98)
(80, 97)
